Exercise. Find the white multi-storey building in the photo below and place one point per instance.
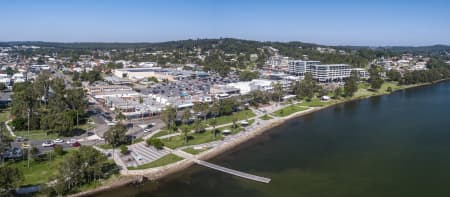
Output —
(300, 67)
(330, 72)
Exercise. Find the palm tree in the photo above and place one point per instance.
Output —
(121, 117)
(186, 116)
(169, 116)
(185, 130)
(213, 123)
(215, 109)
(234, 119)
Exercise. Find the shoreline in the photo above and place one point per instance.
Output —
(153, 174)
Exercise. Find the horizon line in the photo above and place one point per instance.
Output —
(221, 38)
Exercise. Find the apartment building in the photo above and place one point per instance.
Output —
(300, 67)
(330, 72)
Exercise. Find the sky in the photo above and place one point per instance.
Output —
(331, 22)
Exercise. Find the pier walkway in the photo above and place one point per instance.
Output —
(221, 168)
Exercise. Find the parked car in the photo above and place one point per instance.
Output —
(76, 144)
(25, 146)
(58, 141)
(19, 139)
(71, 141)
(48, 143)
(146, 130)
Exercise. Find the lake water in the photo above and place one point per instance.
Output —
(390, 146)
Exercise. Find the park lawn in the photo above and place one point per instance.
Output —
(36, 135)
(194, 139)
(365, 91)
(4, 115)
(168, 159)
(265, 117)
(162, 133)
(286, 111)
(40, 172)
(229, 118)
(315, 102)
(105, 146)
(195, 151)
(42, 134)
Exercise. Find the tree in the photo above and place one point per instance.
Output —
(215, 109)
(120, 116)
(278, 91)
(351, 85)
(2, 86)
(185, 130)
(82, 167)
(58, 149)
(198, 126)
(305, 88)
(168, 116)
(213, 123)
(156, 142)
(248, 75)
(375, 78)
(394, 75)
(186, 116)
(337, 92)
(116, 135)
(124, 150)
(10, 178)
(234, 119)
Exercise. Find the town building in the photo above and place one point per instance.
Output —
(330, 72)
(300, 67)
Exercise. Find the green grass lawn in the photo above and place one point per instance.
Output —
(201, 138)
(36, 135)
(168, 159)
(286, 111)
(195, 138)
(315, 102)
(241, 115)
(105, 146)
(162, 133)
(42, 134)
(265, 117)
(42, 172)
(195, 151)
(365, 91)
(4, 115)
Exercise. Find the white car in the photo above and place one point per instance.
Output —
(48, 144)
(58, 141)
(146, 130)
(71, 141)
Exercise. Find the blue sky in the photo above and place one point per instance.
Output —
(338, 22)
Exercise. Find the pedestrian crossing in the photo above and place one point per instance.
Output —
(143, 154)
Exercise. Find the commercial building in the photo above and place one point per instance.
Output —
(142, 73)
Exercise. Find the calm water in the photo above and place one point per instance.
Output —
(395, 145)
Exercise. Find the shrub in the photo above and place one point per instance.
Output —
(157, 143)
(58, 149)
(124, 150)
(389, 89)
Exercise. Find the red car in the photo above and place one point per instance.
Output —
(76, 144)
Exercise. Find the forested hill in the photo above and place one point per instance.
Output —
(358, 56)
